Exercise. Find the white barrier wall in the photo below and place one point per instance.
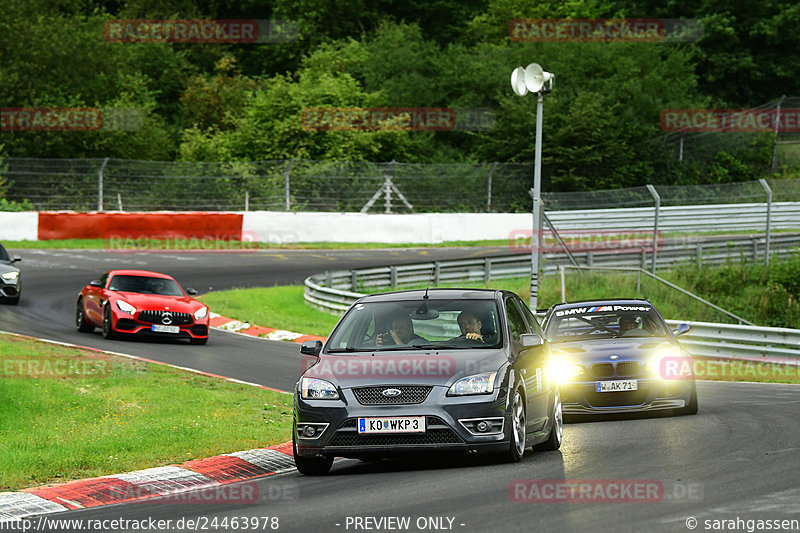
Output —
(19, 226)
(281, 227)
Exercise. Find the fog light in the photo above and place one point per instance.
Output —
(310, 431)
(482, 426)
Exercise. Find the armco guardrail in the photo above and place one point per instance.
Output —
(686, 218)
(751, 343)
(336, 290)
(706, 339)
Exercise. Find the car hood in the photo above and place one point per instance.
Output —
(5, 267)
(442, 367)
(178, 304)
(601, 350)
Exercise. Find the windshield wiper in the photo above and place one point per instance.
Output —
(432, 346)
(348, 349)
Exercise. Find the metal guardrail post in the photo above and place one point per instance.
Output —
(353, 280)
(489, 188)
(768, 189)
(657, 199)
(286, 183)
(487, 270)
(437, 270)
(100, 185)
(392, 277)
(777, 132)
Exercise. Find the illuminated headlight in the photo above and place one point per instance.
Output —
(317, 389)
(668, 363)
(477, 384)
(562, 371)
(125, 307)
(10, 276)
(201, 313)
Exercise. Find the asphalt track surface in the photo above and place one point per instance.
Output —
(738, 459)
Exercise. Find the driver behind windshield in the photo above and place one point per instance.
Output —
(401, 332)
(470, 326)
(629, 325)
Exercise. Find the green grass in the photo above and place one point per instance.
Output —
(140, 415)
(276, 307)
(199, 244)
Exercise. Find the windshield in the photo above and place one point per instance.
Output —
(145, 285)
(418, 324)
(605, 321)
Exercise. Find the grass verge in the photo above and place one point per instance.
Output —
(277, 307)
(69, 413)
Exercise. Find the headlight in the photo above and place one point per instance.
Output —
(477, 384)
(201, 313)
(317, 389)
(10, 276)
(669, 363)
(562, 371)
(125, 307)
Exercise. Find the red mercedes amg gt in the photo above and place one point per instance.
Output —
(142, 303)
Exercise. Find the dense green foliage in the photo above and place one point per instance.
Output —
(243, 102)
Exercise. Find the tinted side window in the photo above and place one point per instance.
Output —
(534, 324)
(516, 323)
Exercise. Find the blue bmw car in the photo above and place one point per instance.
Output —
(619, 356)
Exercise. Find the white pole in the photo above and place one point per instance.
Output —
(537, 207)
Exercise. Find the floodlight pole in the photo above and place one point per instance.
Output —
(536, 241)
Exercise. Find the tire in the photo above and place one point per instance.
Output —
(517, 437)
(310, 466)
(691, 407)
(553, 441)
(108, 328)
(80, 318)
(198, 342)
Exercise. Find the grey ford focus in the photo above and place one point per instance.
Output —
(423, 371)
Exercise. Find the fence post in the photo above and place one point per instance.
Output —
(563, 283)
(437, 268)
(777, 131)
(100, 185)
(392, 276)
(286, 183)
(247, 200)
(487, 270)
(768, 189)
(657, 200)
(353, 280)
(489, 187)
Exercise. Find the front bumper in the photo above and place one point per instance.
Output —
(447, 419)
(652, 395)
(132, 326)
(10, 289)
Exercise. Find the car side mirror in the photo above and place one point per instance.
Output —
(16, 258)
(530, 340)
(311, 348)
(190, 291)
(95, 283)
(682, 329)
